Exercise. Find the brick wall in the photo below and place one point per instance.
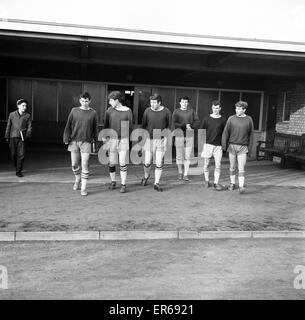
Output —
(295, 101)
(293, 92)
(281, 126)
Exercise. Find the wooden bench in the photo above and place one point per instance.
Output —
(276, 147)
(295, 153)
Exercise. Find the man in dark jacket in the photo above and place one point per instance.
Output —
(18, 130)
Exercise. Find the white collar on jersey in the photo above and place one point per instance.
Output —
(214, 117)
(161, 108)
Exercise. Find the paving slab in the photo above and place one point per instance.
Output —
(57, 236)
(278, 234)
(137, 235)
(7, 236)
(214, 234)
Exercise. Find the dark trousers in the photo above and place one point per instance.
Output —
(17, 147)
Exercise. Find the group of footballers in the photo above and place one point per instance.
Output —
(234, 135)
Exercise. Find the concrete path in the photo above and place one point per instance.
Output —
(258, 173)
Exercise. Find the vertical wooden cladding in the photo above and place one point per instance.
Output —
(98, 98)
(68, 98)
(205, 99)
(191, 94)
(19, 89)
(141, 102)
(52, 100)
(3, 115)
(45, 100)
(167, 95)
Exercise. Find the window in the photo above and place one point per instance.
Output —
(286, 106)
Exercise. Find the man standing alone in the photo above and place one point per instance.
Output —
(18, 129)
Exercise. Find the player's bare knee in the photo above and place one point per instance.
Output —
(217, 166)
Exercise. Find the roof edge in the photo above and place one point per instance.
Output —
(150, 38)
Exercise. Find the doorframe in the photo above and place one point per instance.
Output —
(268, 94)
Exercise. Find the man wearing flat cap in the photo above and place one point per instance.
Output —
(18, 130)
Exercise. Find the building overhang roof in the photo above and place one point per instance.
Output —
(151, 39)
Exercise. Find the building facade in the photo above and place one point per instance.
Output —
(50, 64)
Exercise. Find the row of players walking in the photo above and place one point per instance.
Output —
(234, 135)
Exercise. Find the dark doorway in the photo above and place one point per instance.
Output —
(271, 116)
(127, 91)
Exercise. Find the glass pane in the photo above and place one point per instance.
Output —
(45, 105)
(19, 89)
(98, 98)
(228, 100)
(254, 106)
(68, 98)
(288, 103)
(191, 94)
(205, 102)
(3, 115)
(168, 97)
